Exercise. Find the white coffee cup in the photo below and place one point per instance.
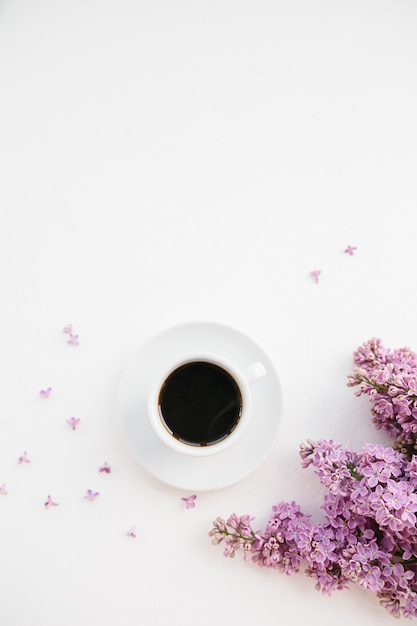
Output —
(226, 375)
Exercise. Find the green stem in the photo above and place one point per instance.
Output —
(353, 472)
(239, 536)
(376, 386)
(407, 561)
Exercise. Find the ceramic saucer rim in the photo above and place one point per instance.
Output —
(184, 471)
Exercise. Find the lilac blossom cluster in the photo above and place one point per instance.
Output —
(389, 379)
(368, 533)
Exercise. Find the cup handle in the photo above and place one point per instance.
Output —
(255, 372)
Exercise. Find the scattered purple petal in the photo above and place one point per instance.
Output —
(315, 275)
(24, 458)
(131, 532)
(3, 490)
(105, 468)
(91, 495)
(49, 502)
(350, 250)
(45, 393)
(189, 502)
(73, 340)
(73, 422)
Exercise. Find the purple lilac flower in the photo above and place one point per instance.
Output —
(350, 250)
(315, 275)
(23, 458)
(3, 489)
(50, 502)
(235, 534)
(389, 378)
(131, 532)
(73, 340)
(368, 534)
(90, 495)
(73, 422)
(410, 604)
(45, 393)
(189, 501)
(105, 468)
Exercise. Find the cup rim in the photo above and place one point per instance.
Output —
(181, 446)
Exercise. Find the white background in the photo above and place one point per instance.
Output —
(162, 162)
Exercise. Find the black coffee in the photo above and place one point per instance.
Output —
(200, 403)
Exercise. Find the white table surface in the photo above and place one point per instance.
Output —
(164, 162)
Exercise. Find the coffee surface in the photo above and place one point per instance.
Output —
(200, 403)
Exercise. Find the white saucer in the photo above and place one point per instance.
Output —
(180, 470)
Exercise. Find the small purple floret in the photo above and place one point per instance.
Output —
(189, 501)
(91, 495)
(315, 275)
(50, 502)
(23, 458)
(73, 422)
(350, 250)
